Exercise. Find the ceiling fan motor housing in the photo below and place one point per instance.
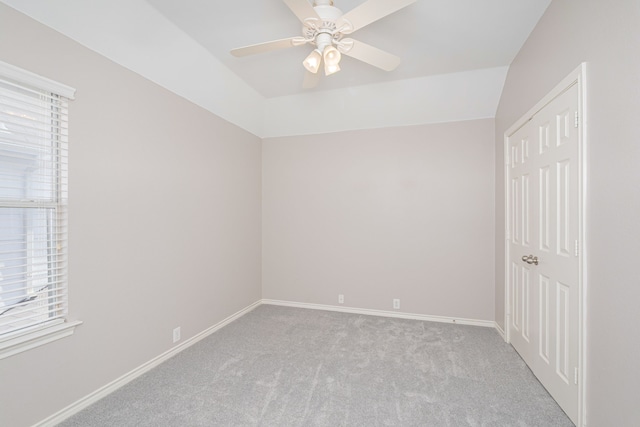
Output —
(317, 3)
(323, 32)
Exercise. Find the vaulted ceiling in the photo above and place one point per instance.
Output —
(184, 45)
(430, 36)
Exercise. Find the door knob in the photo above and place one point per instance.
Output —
(530, 259)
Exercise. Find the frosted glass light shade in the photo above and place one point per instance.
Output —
(312, 62)
(331, 55)
(330, 69)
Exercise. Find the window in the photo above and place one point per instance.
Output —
(33, 209)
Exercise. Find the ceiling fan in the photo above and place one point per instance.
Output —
(325, 27)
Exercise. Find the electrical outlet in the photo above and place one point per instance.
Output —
(396, 304)
(340, 299)
(176, 334)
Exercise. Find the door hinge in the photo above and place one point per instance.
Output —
(575, 375)
(577, 120)
(576, 249)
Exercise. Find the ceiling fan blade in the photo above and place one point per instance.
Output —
(369, 54)
(368, 12)
(302, 9)
(267, 46)
(311, 80)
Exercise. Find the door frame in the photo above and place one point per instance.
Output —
(576, 77)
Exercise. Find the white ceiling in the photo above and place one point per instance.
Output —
(431, 36)
(455, 56)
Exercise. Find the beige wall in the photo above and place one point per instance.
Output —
(380, 214)
(607, 36)
(393, 213)
(164, 223)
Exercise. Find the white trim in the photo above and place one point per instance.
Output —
(22, 341)
(507, 238)
(91, 398)
(582, 200)
(32, 79)
(577, 77)
(497, 327)
(370, 312)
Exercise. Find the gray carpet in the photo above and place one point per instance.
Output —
(280, 366)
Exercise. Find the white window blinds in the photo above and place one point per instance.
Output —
(33, 202)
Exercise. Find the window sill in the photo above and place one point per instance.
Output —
(26, 341)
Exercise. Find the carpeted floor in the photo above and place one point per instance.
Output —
(280, 366)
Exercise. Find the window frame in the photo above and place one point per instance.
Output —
(20, 340)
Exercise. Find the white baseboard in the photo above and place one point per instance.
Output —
(79, 405)
(383, 313)
(500, 331)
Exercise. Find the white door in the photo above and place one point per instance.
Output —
(543, 232)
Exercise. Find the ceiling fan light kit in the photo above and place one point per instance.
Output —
(332, 58)
(324, 26)
(331, 55)
(312, 62)
(331, 69)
